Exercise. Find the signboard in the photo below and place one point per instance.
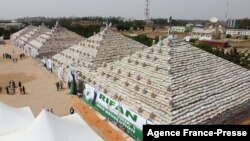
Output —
(117, 113)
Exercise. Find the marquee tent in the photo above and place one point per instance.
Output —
(12, 119)
(49, 127)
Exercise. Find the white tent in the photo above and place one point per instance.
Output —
(60, 73)
(20, 125)
(49, 63)
(13, 119)
(48, 127)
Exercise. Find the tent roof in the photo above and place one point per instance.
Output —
(48, 127)
(18, 124)
(12, 119)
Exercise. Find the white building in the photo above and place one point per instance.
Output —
(178, 29)
(238, 32)
(202, 34)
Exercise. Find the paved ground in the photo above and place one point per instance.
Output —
(42, 93)
(39, 83)
(100, 125)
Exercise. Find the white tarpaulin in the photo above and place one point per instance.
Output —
(43, 61)
(49, 127)
(49, 63)
(71, 70)
(60, 73)
(12, 119)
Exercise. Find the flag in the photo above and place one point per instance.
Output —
(170, 19)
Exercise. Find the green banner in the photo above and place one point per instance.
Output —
(130, 122)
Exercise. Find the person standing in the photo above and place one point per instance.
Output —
(7, 89)
(13, 89)
(19, 84)
(23, 90)
(20, 90)
(57, 86)
(14, 84)
(94, 99)
(69, 84)
(61, 84)
(72, 110)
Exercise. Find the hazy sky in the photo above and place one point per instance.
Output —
(179, 9)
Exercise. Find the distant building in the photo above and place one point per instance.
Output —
(189, 27)
(11, 25)
(238, 32)
(233, 23)
(202, 34)
(236, 23)
(199, 26)
(178, 29)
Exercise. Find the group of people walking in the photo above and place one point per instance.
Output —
(7, 56)
(11, 88)
(22, 55)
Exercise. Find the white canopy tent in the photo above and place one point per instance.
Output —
(49, 127)
(13, 119)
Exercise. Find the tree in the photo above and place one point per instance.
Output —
(193, 40)
(232, 55)
(228, 36)
(1, 31)
(246, 37)
(144, 39)
(244, 24)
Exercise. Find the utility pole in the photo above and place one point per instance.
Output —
(147, 10)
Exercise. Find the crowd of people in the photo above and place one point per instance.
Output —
(14, 59)
(11, 88)
(7, 56)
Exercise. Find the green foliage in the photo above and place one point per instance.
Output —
(246, 37)
(193, 40)
(244, 24)
(232, 55)
(144, 39)
(176, 22)
(1, 31)
(85, 31)
(228, 36)
(8, 32)
(157, 38)
(125, 26)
